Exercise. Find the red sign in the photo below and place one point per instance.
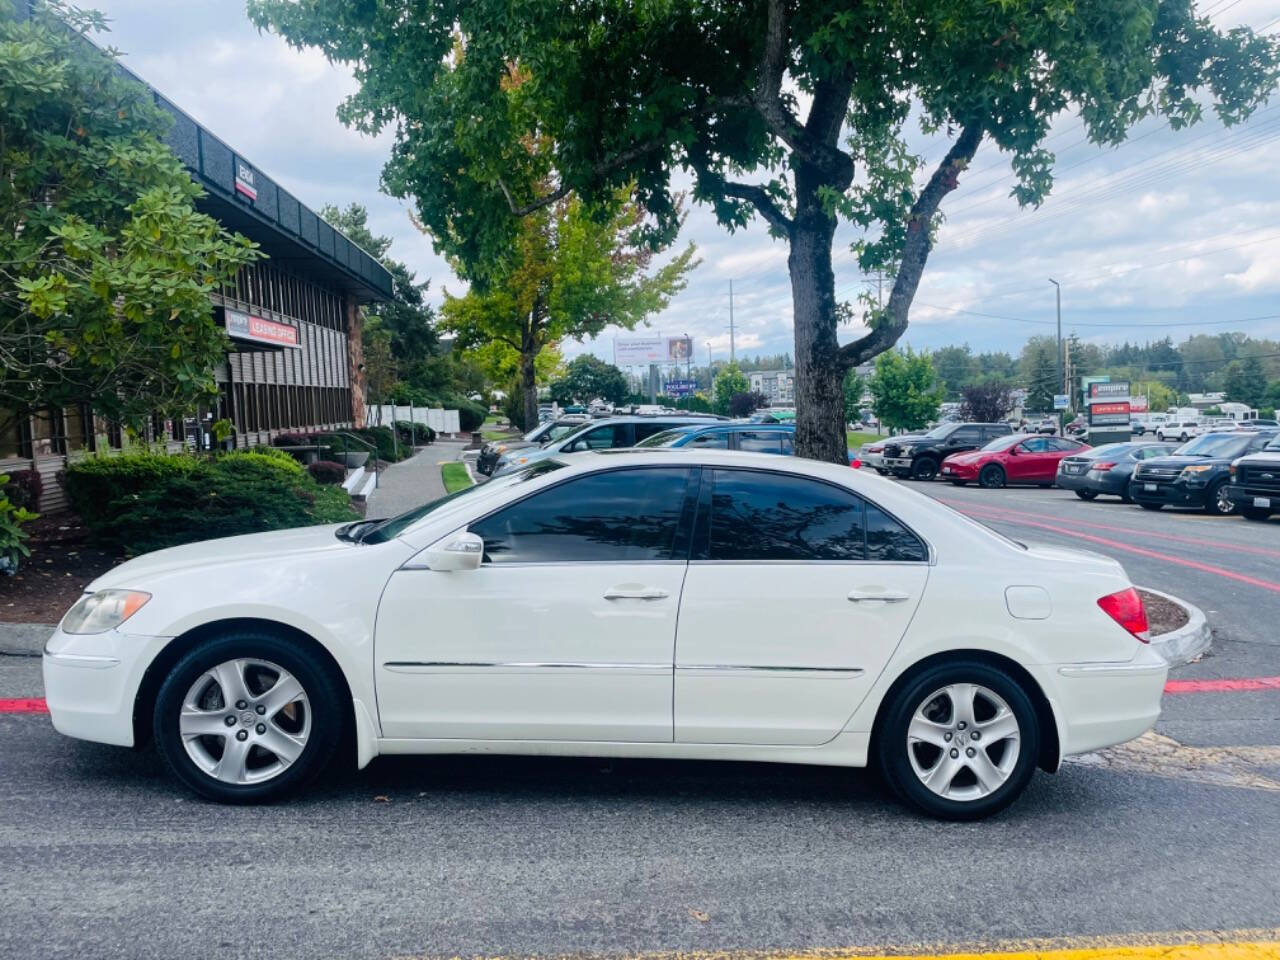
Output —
(1105, 408)
(245, 326)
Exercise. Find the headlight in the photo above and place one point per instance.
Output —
(1195, 470)
(103, 611)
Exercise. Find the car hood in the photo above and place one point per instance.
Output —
(225, 550)
(1185, 461)
(966, 459)
(1264, 456)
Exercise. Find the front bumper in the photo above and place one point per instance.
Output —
(91, 682)
(1178, 493)
(897, 464)
(953, 471)
(1099, 705)
(1261, 499)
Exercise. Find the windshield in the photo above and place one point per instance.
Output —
(1110, 450)
(560, 430)
(666, 437)
(1004, 443)
(1216, 445)
(389, 529)
(1273, 443)
(941, 430)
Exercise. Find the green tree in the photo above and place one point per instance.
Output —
(619, 92)
(854, 388)
(1042, 383)
(587, 378)
(729, 381)
(905, 390)
(957, 368)
(1246, 381)
(105, 264)
(573, 270)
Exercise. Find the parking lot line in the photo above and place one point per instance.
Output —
(986, 513)
(1223, 685)
(24, 705)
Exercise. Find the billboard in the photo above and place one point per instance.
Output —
(642, 351)
(1109, 414)
(681, 388)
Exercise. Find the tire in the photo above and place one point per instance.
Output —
(1087, 494)
(932, 705)
(1150, 506)
(925, 468)
(288, 741)
(991, 477)
(1216, 501)
(1183, 437)
(1253, 513)
(882, 471)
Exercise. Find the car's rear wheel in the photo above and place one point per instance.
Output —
(1217, 502)
(926, 468)
(1087, 494)
(991, 477)
(247, 718)
(959, 741)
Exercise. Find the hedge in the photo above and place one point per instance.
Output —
(410, 431)
(327, 472)
(142, 502)
(24, 489)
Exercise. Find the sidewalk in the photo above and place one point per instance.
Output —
(413, 482)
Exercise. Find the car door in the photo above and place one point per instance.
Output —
(566, 631)
(604, 437)
(1027, 461)
(797, 594)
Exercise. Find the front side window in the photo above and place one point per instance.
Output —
(644, 430)
(719, 440)
(619, 516)
(602, 438)
(775, 517)
(965, 436)
(1035, 445)
(760, 441)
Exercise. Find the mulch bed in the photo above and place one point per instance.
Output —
(1162, 615)
(61, 565)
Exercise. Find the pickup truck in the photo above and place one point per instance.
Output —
(920, 457)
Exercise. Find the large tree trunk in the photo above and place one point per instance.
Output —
(529, 388)
(819, 369)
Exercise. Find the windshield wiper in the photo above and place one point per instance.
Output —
(355, 531)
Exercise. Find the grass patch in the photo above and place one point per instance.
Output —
(497, 434)
(857, 438)
(455, 476)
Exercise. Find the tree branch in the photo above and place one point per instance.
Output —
(756, 195)
(915, 251)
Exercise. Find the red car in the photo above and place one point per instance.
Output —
(1014, 459)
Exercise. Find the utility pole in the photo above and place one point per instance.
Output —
(732, 354)
(1058, 290)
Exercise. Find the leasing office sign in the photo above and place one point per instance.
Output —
(245, 326)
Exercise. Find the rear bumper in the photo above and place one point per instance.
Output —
(1099, 705)
(1093, 481)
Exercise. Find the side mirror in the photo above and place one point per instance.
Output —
(462, 551)
(1016, 449)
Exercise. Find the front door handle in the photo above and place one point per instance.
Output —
(630, 591)
(877, 596)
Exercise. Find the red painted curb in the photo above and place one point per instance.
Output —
(25, 705)
(1238, 685)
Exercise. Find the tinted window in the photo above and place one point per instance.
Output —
(623, 515)
(965, 436)
(649, 429)
(602, 438)
(762, 516)
(1035, 445)
(760, 441)
(1059, 444)
(889, 541)
(718, 440)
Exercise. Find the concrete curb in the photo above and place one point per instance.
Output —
(1187, 642)
(24, 639)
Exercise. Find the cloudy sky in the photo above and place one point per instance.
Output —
(1169, 234)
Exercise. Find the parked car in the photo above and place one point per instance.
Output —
(1106, 469)
(920, 457)
(1257, 423)
(749, 436)
(1141, 423)
(1255, 482)
(596, 435)
(1197, 474)
(1049, 425)
(620, 605)
(542, 433)
(1180, 430)
(871, 454)
(1015, 459)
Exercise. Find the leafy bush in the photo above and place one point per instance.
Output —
(470, 414)
(193, 499)
(293, 440)
(23, 489)
(12, 517)
(384, 440)
(327, 472)
(410, 431)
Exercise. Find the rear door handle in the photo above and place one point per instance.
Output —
(877, 596)
(628, 591)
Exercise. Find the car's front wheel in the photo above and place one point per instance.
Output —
(925, 468)
(959, 741)
(991, 477)
(247, 718)
(1218, 502)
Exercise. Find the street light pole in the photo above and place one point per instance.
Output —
(1058, 293)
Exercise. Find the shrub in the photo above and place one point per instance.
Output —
(12, 517)
(94, 482)
(327, 472)
(470, 414)
(412, 431)
(23, 489)
(266, 457)
(383, 439)
(293, 440)
(242, 492)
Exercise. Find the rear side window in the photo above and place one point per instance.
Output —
(619, 516)
(767, 517)
(966, 436)
(710, 441)
(602, 438)
(649, 429)
(760, 441)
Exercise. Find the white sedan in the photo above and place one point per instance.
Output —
(657, 603)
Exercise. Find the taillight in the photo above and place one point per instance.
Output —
(1104, 465)
(1125, 608)
(855, 463)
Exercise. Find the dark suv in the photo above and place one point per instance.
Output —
(919, 457)
(1255, 482)
(1198, 474)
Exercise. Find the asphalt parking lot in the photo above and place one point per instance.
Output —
(499, 856)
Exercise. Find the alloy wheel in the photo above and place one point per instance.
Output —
(991, 477)
(1222, 502)
(963, 741)
(245, 721)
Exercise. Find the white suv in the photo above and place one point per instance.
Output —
(1181, 430)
